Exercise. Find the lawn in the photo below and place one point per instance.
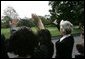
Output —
(53, 30)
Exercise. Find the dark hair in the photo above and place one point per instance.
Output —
(80, 48)
(44, 36)
(23, 41)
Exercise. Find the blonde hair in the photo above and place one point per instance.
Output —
(66, 26)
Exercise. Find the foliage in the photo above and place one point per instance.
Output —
(67, 10)
(11, 12)
(5, 22)
(25, 22)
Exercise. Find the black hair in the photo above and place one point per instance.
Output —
(44, 36)
(23, 41)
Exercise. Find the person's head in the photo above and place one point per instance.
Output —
(66, 27)
(44, 36)
(80, 48)
(23, 42)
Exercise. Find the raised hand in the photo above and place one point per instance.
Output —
(35, 18)
(55, 22)
(38, 21)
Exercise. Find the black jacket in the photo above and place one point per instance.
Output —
(44, 51)
(3, 52)
(64, 48)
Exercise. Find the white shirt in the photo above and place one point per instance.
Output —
(12, 55)
(64, 37)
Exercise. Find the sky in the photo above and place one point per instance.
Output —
(26, 8)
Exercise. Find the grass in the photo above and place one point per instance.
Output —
(53, 30)
(6, 32)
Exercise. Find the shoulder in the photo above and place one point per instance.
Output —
(70, 38)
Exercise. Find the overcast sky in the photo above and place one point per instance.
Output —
(26, 8)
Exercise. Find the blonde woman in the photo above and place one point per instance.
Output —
(64, 45)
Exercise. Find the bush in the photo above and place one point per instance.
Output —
(25, 22)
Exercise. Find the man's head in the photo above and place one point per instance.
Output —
(44, 36)
(23, 41)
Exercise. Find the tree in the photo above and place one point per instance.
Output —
(9, 11)
(45, 20)
(26, 22)
(5, 22)
(72, 11)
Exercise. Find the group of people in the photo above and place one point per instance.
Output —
(24, 43)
